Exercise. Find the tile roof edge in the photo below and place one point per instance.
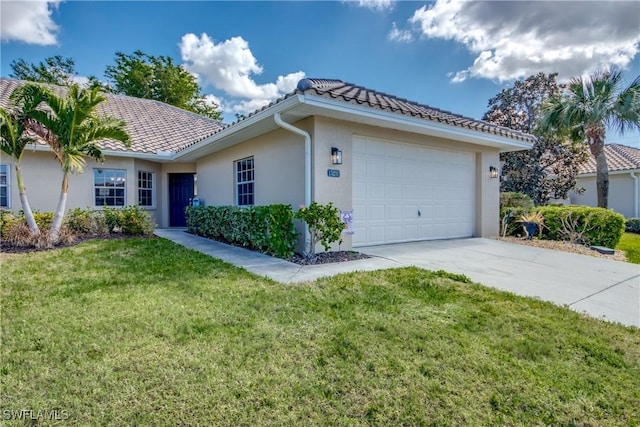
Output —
(308, 85)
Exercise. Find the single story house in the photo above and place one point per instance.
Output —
(624, 188)
(399, 170)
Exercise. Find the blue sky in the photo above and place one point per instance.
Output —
(448, 54)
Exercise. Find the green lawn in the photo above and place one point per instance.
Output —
(630, 244)
(145, 332)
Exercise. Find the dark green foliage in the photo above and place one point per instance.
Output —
(548, 170)
(324, 225)
(515, 200)
(158, 78)
(582, 224)
(632, 225)
(267, 229)
(53, 70)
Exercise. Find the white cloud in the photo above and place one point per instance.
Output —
(396, 35)
(376, 5)
(230, 66)
(517, 39)
(28, 21)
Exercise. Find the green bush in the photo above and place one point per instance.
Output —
(8, 220)
(324, 225)
(267, 229)
(130, 220)
(80, 221)
(515, 200)
(512, 206)
(632, 225)
(582, 224)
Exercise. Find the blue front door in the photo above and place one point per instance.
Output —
(180, 194)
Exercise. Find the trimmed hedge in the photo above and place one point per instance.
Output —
(632, 225)
(267, 229)
(583, 224)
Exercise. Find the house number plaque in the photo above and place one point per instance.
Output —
(333, 173)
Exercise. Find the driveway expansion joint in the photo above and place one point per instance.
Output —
(605, 289)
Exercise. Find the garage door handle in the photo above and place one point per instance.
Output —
(419, 214)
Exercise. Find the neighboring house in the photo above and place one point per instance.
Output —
(408, 171)
(624, 173)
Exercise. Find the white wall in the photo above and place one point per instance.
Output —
(621, 192)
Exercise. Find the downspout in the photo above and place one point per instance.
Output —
(307, 170)
(635, 195)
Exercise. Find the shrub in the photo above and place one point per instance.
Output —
(267, 229)
(582, 224)
(515, 200)
(80, 221)
(324, 225)
(130, 220)
(632, 225)
(513, 206)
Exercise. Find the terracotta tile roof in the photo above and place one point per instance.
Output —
(153, 126)
(348, 92)
(619, 158)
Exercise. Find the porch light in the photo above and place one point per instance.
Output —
(493, 172)
(336, 156)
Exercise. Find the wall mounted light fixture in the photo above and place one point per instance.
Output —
(493, 172)
(336, 156)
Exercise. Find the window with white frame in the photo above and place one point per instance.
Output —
(109, 187)
(145, 188)
(5, 186)
(245, 180)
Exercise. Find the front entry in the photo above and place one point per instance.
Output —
(180, 194)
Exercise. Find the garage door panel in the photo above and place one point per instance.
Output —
(393, 181)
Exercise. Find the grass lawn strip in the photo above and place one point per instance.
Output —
(630, 244)
(144, 331)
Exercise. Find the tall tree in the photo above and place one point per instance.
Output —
(14, 138)
(586, 108)
(73, 130)
(157, 77)
(53, 70)
(548, 170)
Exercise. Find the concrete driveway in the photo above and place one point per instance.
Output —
(599, 287)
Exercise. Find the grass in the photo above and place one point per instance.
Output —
(145, 332)
(630, 244)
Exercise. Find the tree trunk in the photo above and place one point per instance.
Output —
(26, 208)
(602, 171)
(56, 225)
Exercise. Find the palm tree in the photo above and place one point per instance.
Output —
(13, 140)
(73, 130)
(585, 110)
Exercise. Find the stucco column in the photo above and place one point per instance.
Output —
(487, 194)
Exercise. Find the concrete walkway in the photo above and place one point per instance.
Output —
(596, 286)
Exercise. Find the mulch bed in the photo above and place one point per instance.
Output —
(565, 247)
(8, 248)
(329, 257)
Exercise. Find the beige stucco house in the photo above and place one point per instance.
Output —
(407, 171)
(624, 177)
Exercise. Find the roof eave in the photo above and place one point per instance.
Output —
(380, 117)
(254, 125)
(611, 172)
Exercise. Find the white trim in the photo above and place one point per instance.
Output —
(616, 172)
(153, 189)
(431, 127)
(251, 181)
(229, 131)
(93, 188)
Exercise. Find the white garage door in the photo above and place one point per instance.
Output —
(404, 192)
